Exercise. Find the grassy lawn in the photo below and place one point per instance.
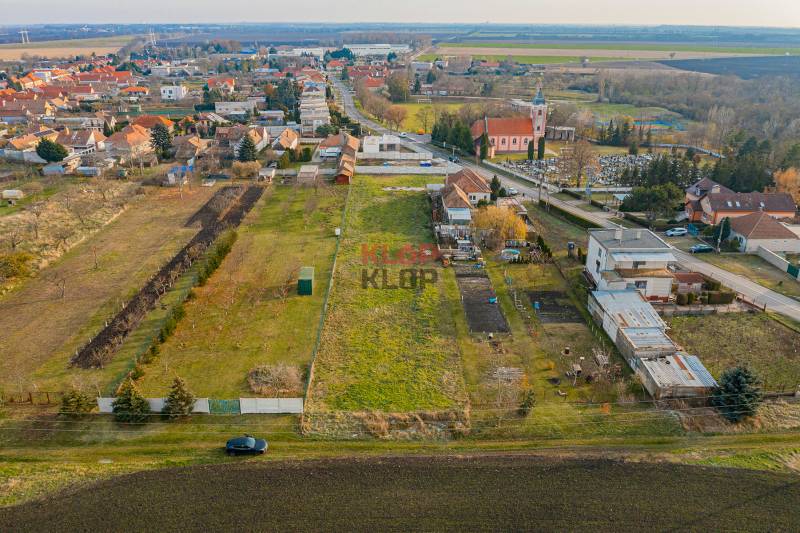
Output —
(241, 319)
(389, 350)
(721, 341)
(755, 269)
(759, 50)
(42, 330)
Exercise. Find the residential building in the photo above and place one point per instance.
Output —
(308, 175)
(174, 92)
(131, 142)
(619, 259)
(230, 109)
(287, 140)
(223, 85)
(81, 141)
(457, 209)
(472, 184)
(149, 122)
(720, 205)
(761, 230)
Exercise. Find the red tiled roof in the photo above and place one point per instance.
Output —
(503, 126)
(760, 226)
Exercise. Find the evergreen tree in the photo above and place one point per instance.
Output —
(180, 401)
(430, 77)
(495, 186)
(247, 150)
(531, 150)
(540, 149)
(738, 394)
(161, 139)
(51, 151)
(107, 130)
(484, 146)
(75, 402)
(130, 405)
(633, 149)
(417, 85)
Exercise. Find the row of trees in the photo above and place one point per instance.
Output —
(449, 129)
(381, 108)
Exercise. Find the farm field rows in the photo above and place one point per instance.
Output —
(43, 329)
(444, 493)
(65, 48)
(639, 47)
(386, 349)
(249, 312)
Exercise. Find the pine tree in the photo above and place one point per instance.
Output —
(484, 146)
(161, 139)
(75, 402)
(130, 405)
(51, 151)
(540, 149)
(180, 401)
(247, 150)
(107, 130)
(531, 150)
(738, 395)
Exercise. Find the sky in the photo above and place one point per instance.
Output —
(780, 13)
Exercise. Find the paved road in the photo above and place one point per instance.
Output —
(752, 291)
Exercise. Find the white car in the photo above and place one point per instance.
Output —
(512, 191)
(676, 232)
(404, 135)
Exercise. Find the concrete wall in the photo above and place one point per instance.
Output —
(397, 169)
(156, 405)
(396, 156)
(773, 259)
(270, 405)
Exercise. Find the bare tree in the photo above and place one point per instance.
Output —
(424, 116)
(37, 210)
(578, 160)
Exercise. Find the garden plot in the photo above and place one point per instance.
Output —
(555, 307)
(386, 349)
(483, 315)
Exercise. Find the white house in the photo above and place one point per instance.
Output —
(173, 92)
(234, 108)
(760, 229)
(619, 259)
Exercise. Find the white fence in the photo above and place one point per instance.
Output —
(406, 169)
(396, 155)
(774, 259)
(270, 405)
(246, 405)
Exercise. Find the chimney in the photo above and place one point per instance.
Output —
(638, 234)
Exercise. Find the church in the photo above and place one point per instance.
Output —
(510, 135)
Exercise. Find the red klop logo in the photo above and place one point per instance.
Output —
(380, 255)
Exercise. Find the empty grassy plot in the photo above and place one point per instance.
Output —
(651, 47)
(48, 317)
(755, 269)
(771, 349)
(249, 313)
(65, 48)
(384, 347)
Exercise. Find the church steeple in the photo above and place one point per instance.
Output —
(539, 98)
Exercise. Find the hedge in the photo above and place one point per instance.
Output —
(575, 219)
(657, 226)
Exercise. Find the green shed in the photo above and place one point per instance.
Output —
(305, 281)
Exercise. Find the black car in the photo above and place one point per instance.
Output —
(247, 445)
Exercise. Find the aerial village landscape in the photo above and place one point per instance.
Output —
(442, 257)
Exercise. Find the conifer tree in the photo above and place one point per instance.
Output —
(180, 401)
(130, 405)
(247, 150)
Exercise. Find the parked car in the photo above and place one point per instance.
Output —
(247, 445)
(425, 163)
(701, 249)
(403, 135)
(512, 191)
(453, 158)
(676, 232)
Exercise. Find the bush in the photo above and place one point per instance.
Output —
(137, 372)
(527, 403)
(721, 297)
(75, 402)
(245, 169)
(169, 326)
(582, 222)
(15, 265)
(691, 298)
(682, 298)
(274, 379)
(130, 405)
(222, 246)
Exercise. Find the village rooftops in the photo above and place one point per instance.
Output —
(629, 239)
(760, 226)
(752, 201)
(469, 181)
(629, 309)
(677, 372)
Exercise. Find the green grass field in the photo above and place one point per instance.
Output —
(756, 269)
(756, 50)
(528, 59)
(386, 349)
(249, 313)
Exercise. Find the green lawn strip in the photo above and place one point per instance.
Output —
(249, 312)
(756, 50)
(386, 349)
(755, 269)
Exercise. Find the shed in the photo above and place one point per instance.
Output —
(266, 174)
(307, 175)
(305, 281)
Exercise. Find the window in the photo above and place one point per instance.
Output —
(638, 264)
(540, 112)
(597, 266)
(538, 127)
(503, 141)
(514, 140)
(641, 285)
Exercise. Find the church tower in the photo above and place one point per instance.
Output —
(538, 115)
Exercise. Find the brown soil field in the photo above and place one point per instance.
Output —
(588, 52)
(41, 330)
(472, 493)
(66, 48)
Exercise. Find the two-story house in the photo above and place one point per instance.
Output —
(619, 259)
(473, 185)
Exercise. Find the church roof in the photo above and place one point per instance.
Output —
(502, 126)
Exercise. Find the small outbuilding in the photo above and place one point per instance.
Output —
(305, 281)
(307, 175)
(12, 196)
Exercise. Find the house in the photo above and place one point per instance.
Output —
(760, 229)
(618, 259)
(189, 146)
(457, 209)
(83, 141)
(287, 140)
(717, 206)
(149, 122)
(134, 93)
(223, 85)
(689, 283)
(173, 92)
(240, 109)
(266, 174)
(472, 184)
(131, 142)
(373, 144)
(512, 135)
(308, 175)
(679, 375)
(229, 138)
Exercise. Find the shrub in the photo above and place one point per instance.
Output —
(130, 405)
(75, 402)
(738, 394)
(180, 401)
(222, 246)
(527, 403)
(721, 297)
(690, 298)
(136, 372)
(682, 298)
(245, 169)
(274, 379)
(15, 265)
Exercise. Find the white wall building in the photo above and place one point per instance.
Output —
(173, 92)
